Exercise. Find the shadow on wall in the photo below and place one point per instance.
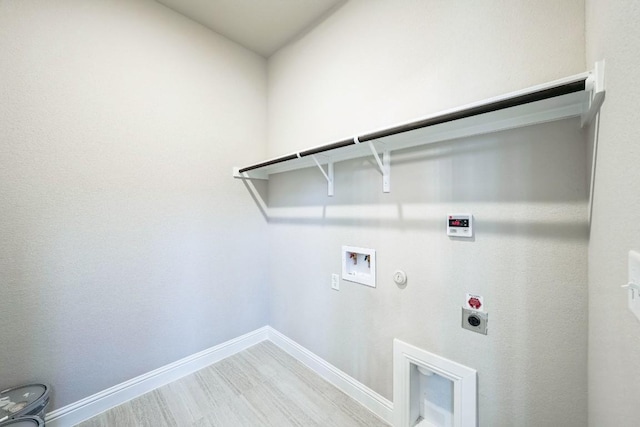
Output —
(529, 181)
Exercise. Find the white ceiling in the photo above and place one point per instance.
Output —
(262, 26)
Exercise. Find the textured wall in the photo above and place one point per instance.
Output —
(614, 333)
(377, 63)
(373, 64)
(122, 234)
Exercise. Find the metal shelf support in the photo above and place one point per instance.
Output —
(579, 96)
(328, 174)
(384, 165)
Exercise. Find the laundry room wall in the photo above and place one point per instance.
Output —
(125, 244)
(614, 343)
(375, 64)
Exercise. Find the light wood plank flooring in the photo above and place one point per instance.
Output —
(261, 386)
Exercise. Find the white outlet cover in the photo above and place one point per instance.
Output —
(335, 282)
(634, 283)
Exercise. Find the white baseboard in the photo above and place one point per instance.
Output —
(368, 398)
(93, 405)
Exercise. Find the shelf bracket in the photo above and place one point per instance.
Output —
(328, 174)
(596, 89)
(384, 165)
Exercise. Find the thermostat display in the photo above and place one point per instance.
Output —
(457, 222)
(460, 225)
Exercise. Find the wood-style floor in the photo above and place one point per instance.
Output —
(261, 386)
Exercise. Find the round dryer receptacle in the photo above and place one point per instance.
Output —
(473, 320)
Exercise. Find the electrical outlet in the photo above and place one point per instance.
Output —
(474, 320)
(335, 282)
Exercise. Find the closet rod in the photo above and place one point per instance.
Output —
(540, 95)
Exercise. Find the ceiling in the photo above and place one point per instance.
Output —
(263, 26)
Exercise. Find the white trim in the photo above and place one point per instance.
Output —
(368, 398)
(93, 405)
(464, 383)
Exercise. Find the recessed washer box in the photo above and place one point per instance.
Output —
(359, 265)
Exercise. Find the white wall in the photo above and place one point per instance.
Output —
(124, 243)
(377, 63)
(614, 333)
(373, 64)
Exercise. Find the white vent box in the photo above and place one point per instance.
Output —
(460, 225)
(431, 391)
(359, 265)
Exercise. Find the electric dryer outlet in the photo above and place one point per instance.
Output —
(475, 320)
